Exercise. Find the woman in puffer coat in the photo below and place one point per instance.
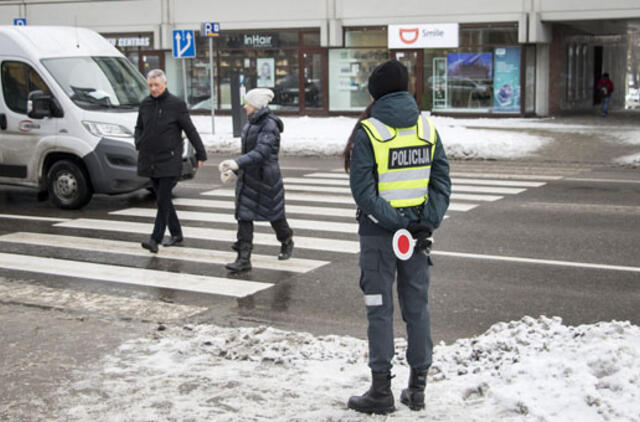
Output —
(259, 187)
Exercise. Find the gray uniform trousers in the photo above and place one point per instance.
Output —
(378, 266)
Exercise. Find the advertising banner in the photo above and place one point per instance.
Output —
(440, 35)
(469, 77)
(266, 72)
(506, 84)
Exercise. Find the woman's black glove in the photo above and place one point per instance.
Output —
(422, 233)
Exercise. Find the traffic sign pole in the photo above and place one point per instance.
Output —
(213, 103)
(184, 82)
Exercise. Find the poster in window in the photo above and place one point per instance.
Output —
(469, 77)
(266, 72)
(506, 85)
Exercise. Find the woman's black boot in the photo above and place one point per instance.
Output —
(243, 261)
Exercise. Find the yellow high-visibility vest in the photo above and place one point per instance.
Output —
(404, 157)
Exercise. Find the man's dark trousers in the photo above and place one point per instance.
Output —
(166, 211)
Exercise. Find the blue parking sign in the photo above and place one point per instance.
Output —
(210, 29)
(20, 21)
(184, 44)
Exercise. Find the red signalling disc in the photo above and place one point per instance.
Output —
(403, 244)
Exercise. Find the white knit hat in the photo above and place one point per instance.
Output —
(259, 97)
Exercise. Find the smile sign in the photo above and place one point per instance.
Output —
(443, 35)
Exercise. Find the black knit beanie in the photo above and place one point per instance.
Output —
(390, 76)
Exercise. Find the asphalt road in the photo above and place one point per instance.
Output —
(580, 217)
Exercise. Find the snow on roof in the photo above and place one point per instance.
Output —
(54, 41)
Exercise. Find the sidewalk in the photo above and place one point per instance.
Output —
(588, 139)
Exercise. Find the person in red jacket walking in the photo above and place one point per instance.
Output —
(605, 89)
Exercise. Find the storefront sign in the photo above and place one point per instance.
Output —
(442, 35)
(260, 41)
(506, 84)
(123, 42)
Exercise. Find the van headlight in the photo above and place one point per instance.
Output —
(107, 129)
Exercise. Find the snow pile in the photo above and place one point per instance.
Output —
(532, 369)
(632, 160)
(328, 135)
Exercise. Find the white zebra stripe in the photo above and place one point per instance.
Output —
(294, 209)
(299, 209)
(343, 199)
(343, 181)
(207, 256)
(211, 217)
(302, 242)
(131, 276)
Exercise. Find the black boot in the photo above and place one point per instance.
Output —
(414, 395)
(379, 398)
(243, 261)
(286, 249)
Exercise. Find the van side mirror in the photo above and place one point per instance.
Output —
(41, 105)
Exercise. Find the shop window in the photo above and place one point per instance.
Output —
(274, 69)
(483, 35)
(570, 72)
(349, 70)
(365, 37)
(482, 79)
(311, 38)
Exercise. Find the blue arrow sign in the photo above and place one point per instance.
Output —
(20, 21)
(184, 44)
(210, 29)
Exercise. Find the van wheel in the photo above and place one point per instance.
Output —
(68, 185)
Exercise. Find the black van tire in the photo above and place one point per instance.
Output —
(68, 185)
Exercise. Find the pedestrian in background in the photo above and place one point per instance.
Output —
(605, 89)
(399, 178)
(158, 137)
(259, 187)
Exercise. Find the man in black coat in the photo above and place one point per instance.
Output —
(161, 119)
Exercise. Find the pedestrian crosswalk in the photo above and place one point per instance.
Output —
(319, 207)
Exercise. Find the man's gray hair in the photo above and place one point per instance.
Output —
(156, 73)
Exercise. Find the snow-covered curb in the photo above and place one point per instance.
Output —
(531, 369)
(326, 136)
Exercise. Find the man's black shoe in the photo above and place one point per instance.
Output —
(151, 245)
(174, 241)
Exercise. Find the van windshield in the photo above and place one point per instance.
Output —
(99, 82)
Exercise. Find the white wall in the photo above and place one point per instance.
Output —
(558, 10)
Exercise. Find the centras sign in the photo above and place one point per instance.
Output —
(443, 35)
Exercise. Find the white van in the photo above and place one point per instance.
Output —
(68, 106)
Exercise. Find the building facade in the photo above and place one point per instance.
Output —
(492, 58)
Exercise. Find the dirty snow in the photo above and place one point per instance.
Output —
(327, 136)
(534, 369)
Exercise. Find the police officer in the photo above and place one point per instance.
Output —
(399, 178)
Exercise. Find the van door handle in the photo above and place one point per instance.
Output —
(3, 121)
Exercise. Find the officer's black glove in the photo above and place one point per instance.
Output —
(422, 233)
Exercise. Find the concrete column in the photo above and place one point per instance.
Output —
(542, 79)
(164, 38)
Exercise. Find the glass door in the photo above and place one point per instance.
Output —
(150, 60)
(413, 60)
(313, 69)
